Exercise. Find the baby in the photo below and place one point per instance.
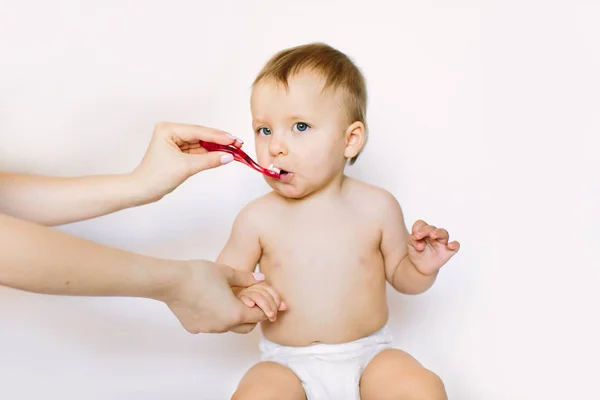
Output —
(326, 243)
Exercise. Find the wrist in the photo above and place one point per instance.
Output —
(408, 263)
(408, 279)
(162, 278)
(140, 190)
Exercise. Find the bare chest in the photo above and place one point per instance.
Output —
(320, 244)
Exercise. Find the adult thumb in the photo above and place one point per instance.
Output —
(201, 162)
(244, 278)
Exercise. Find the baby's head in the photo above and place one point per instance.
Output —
(309, 117)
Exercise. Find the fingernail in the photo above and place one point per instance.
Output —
(258, 276)
(226, 158)
(230, 136)
(239, 139)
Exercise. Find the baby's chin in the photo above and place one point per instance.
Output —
(287, 190)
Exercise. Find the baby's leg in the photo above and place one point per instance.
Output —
(269, 381)
(396, 375)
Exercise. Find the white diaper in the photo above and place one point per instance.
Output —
(329, 371)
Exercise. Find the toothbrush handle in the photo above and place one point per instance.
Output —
(240, 156)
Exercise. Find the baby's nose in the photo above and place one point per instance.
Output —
(277, 145)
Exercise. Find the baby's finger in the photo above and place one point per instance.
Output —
(418, 225)
(441, 235)
(454, 246)
(266, 291)
(247, 300)
(419, 245)
(274, 294)
(425, 232)
(263, 303)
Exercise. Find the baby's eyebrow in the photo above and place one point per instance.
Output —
(296, 117)
(292, 117)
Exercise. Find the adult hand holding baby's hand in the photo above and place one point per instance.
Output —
(428, 247)
(263, 297)
(201, 295)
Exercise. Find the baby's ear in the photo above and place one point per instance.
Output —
(355, 137)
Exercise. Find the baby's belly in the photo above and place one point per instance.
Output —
(327, 304)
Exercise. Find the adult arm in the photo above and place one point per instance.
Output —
(173, 156)
(42, 260)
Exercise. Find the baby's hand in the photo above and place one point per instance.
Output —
(428, 247)
(263, 296)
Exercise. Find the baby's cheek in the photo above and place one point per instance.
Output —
(262, 161)
(322, 171)
(262, 154)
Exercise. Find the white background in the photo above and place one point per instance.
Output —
(483, 119)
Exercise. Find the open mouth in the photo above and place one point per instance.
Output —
(275, 169)
(284, 176)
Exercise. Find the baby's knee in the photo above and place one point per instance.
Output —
(259, 393)
(243, 394)
(421, 384)
(269, 381)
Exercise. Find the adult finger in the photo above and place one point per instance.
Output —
(237, 278)
(194, 133)
(250, 315)
(201, 162)
(243, 329)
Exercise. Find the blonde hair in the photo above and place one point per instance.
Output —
(336, 67)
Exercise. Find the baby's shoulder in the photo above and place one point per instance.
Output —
(257, 211)
(375, 196)
(263, 203)
(375, 200)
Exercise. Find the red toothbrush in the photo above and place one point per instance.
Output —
(239, 155)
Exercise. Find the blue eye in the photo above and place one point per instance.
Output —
(301, 126)
(264, 131)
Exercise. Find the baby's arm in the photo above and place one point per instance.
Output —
(400, 272)
(243, 251)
